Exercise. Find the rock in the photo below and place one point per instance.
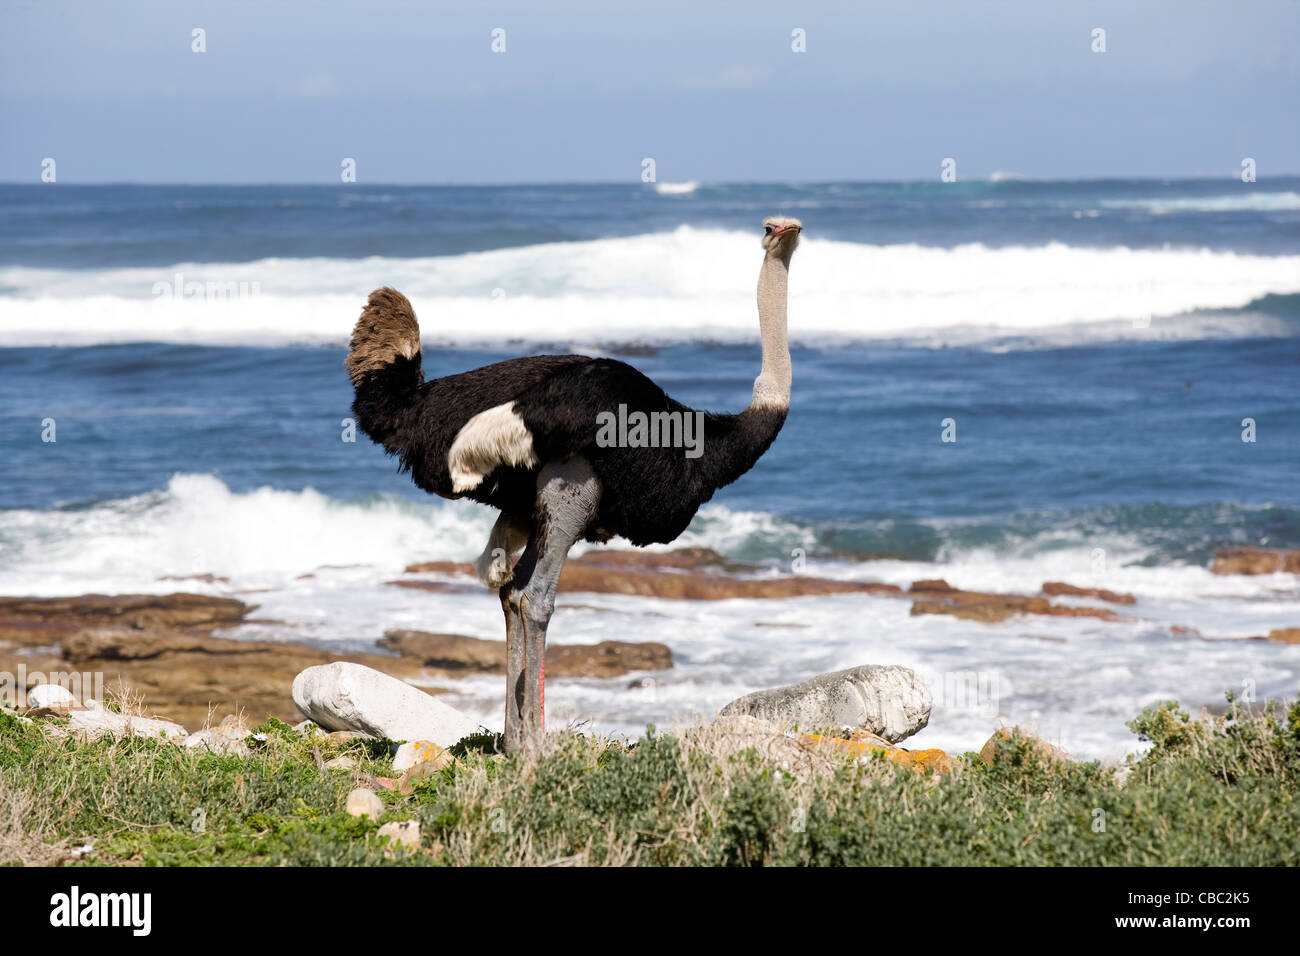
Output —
(931, 584)
(405, 833)
(230, 737)
(731, 734)
(449, 651)
(34, 622)
(1059, 588)
(889, 701)
(863, 746)
(341, 762)
(421, 771)
(686, 559)
(607, 658)
(683, 559)
(161, 646)
(364, 803)
(344, 696)
(939, 597)
(453, 652)
(219, 742)
(97, 722)
(421, 751)
(619, 577)
(990, 750)
(52, 696)
(192, 676)
(1256, 561)
(1287, 635)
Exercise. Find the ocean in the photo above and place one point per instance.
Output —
(1098, 348)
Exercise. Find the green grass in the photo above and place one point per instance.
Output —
(1207, 792)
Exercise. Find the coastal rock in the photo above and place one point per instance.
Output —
(863, 746)
(95, 723)
(405, 833)
(449, 651)
(681, 559)
(52, 696)
(230, 737)
(454, 652)
(659, 575)
(218, 742)
(989, 752)
(1060, 588)
(889, 701)
(193, 676)
(407, 782)
(732, 734)
(36, 622)
(344, 696)
(939, 597)
(364, 803)
(421, 751)
(1256, 561)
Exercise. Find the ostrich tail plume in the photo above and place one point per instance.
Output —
(386, 331)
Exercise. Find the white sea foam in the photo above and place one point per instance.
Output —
(685, 285)
(677, 189)
(318, 568)
(1249, 200)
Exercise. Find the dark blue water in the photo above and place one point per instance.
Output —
(97, 226)
(1139, 437)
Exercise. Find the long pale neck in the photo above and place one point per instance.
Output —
(772, 387)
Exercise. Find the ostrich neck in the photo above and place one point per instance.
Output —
(772, 387)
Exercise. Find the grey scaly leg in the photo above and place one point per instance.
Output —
(568, 495)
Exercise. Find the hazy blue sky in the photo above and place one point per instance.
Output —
(584, 91)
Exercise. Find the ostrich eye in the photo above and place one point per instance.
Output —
(767, 230)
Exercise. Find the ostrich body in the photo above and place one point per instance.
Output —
(522, 436)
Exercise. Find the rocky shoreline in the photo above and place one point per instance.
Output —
(166, 649)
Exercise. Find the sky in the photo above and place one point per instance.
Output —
(712, 92)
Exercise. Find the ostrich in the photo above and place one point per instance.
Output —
(522, 436)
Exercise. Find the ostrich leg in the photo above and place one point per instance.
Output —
(568, 494)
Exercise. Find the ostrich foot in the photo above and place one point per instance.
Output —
(493, 565)
(493, 568)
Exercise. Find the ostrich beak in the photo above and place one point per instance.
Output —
(784, 229)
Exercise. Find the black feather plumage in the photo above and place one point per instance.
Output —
(648, 494)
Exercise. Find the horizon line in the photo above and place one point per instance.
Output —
(506, 184)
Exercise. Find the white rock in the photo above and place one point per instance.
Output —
(218, 741)
(889, 701)
(364, 803)
(404, 832)
(50, 695)
(418, 751)
(341, 762)
(343, 696)
(96, 723)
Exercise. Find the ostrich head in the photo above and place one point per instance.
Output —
(781, 235)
